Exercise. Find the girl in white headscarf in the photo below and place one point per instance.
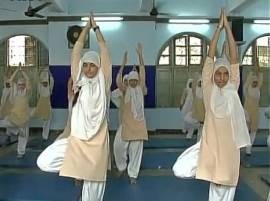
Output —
(186, 103)
(195, 116)
(17, 119)
(117, 97)
(252, 97)
(133, 123)
(43, 109)
(85, 154)
(216, 158)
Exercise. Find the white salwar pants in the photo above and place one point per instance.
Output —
(23, 134)
(186, 167)
(133, 149)
(46, 129)
(51, 160)
(191, 125)
(252, 136)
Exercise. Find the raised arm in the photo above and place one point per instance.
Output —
(235, 74)
(28, 84)
(70, 89)
(119, 77)
(139, 51)
(259, 73)
(105, 57)
(11, 79)
(214, 41)
(51, 79)
(183, 98)
(75, 55)
(209, 60)
(231, 41)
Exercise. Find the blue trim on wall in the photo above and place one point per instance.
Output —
(61, 74)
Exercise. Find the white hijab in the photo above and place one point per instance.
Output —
(117, 94)
(18, 91)
(90, 109)
(44, 77)
(225, 102)
(254, 92)
(199, 91)
(136, 97)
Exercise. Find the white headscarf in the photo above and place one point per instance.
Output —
(19, 92)
(136, 97)
(90, 109)
(125, 77)
(188, 83)
(44, 77)
(199, 91)
(225, 102)
(254, 92)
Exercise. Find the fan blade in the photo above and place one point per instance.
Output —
(38, 15)
(38, 8)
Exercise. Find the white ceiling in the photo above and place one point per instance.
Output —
(14, 9)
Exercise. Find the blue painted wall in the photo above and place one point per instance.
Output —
(61, 74)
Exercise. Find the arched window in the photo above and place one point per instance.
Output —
(179, 58)
(27, 51)
(258, 49)
(258, 54)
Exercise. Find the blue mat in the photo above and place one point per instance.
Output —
(260, 141)
(28, 161)
(168, 143)
(168, 188)
(159, 160)
(257, 159)
(51, 187)
(266, 178)
(37, 187)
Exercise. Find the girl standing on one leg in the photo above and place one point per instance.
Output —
(18, 116)
(252, 97)
(216, 157)
(43, 109)
(84, 155)
(117, 97)
(134, 129)
(186, 106)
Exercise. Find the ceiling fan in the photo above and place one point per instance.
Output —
(155, 10)
(33, 12)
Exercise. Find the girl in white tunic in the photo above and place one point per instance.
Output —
(195, 117)
(43, 109)
(84, 154)
(252, 97)
(216, 158)
(133, 123)
(186, 107)
(117, 97)
(18, 116)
